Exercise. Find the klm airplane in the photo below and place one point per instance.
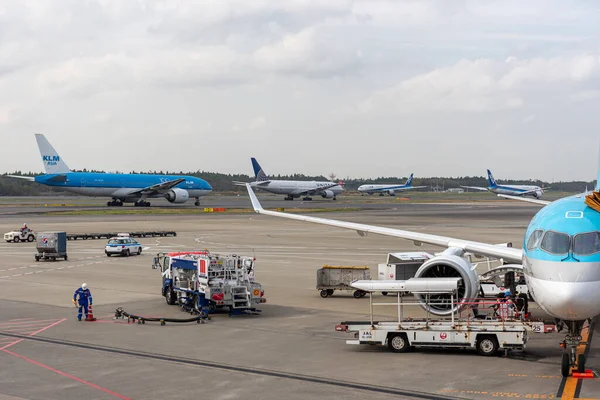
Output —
(122, 188)
(510, 190)
(390, 189)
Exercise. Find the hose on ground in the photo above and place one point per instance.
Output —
(120, 313)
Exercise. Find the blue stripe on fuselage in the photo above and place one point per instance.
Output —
(134, 181)
(388, 188)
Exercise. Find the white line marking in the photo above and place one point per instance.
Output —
(28, 273)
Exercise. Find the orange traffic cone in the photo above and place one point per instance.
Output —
(90, 316)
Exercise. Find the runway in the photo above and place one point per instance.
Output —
(290, 351)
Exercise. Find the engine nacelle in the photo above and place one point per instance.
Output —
(177, 196)
(538, 194)
(391, 192)
(448, 266)
(328, 194)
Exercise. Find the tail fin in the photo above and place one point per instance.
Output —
(258, 171)
(491, 179)
(409, 181)
(52, 161)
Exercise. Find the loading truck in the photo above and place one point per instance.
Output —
(200, 281)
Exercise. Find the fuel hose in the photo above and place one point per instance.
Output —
(120, 313)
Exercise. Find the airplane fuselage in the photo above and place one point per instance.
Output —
(561, 259)
(293, 188)
(119, 185)
(517, 190)
(370, 189)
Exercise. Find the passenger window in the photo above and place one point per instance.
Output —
(534, 239)
(556, 243)
(586, 243)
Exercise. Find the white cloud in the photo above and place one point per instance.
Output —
(257, 123)
(482, 85)
(312, 52)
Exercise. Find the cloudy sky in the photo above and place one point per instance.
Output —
(361, 88)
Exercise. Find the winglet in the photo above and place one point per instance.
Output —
(255, 203)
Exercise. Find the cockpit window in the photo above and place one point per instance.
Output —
(586, 243)
(556, 243)
(534, 239)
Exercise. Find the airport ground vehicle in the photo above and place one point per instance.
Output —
(200, 281)
(331, 278)
(497, 324)
(19, 235)
(51, 246)
(123, 245)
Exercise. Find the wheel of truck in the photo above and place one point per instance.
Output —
(363, 294)
(384, 293)
(66, 257)
(139, 251)
(565, 365)
(30, 238)
(487, 345)
(127, 253)
(329, 292)
(324, 293)
(16, 239)
(170, 296)
(398, 342)
(37, 258)
(356, 294)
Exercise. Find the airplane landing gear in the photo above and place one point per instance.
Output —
(115, 203)
(572, 340)
(197, 203)
(142, 203)
(334, 198)
(307, 198)
(289, 198)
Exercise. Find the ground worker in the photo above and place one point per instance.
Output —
(24, 228)
(85, 299)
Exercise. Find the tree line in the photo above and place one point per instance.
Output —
(224, 182)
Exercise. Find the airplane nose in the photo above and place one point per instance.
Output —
(566, 300)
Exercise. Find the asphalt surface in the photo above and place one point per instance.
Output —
(289, 351)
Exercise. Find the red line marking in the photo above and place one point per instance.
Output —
(26, 322)
(34, 333)
(39, 364)
(24, 327)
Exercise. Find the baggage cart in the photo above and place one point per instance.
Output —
(51, 245)
(331, 278)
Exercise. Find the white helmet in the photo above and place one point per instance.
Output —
(25, 224)
(84, 286)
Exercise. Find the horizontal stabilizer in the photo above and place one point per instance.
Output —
(27, 178)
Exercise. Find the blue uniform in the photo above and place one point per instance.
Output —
(85, 299)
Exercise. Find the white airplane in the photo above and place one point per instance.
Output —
(510, 190)
(560, 261)
(293, 189)
(390, 189)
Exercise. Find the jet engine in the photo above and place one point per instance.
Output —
(177, 196)
(328, 194)
(448, 265)
(391, 192)
(538, 194)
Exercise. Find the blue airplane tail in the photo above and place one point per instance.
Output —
(409, 181)
(491, 179)
(258, 171)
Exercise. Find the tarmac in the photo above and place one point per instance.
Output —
(291, 350)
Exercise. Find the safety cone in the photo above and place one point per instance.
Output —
(90, 316)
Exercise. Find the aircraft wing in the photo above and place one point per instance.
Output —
(526, 199)
(313, 191)
(158, 188)
(259, 183)
(485, 249)
(475, 187)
